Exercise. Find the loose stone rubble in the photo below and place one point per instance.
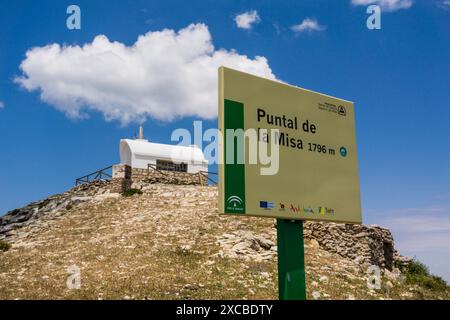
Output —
(246, 245)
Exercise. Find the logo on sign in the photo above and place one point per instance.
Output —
(308, 210)
(266, 205)
(343, 152)
(235, 203)
(326, 211)
(342, 111)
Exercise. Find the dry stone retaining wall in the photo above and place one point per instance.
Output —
(125, 177)
(366, 245)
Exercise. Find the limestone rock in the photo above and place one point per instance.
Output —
(366, 245)
(246, 245)
(54, 205)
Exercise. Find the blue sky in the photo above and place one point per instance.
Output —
(398, 77)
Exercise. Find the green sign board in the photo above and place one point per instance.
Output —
(286, 152)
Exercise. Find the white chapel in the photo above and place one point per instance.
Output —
(140, 153)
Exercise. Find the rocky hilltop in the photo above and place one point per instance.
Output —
(168, 242)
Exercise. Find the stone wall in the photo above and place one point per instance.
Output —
(367, 245)
(119, 185)
(363, 245)
(125, 177)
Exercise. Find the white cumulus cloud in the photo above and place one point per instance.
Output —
(247, 19)
(308, 24)
(444, 4)
(164, 75)
(2, 105)
(388, 5)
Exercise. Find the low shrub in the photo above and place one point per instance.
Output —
(417, 273)
(131, 192)
(4, 246)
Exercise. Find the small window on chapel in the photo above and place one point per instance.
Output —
(171, 166)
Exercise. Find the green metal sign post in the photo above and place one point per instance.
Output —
(291, 260)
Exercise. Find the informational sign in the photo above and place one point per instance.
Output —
(298, 159)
